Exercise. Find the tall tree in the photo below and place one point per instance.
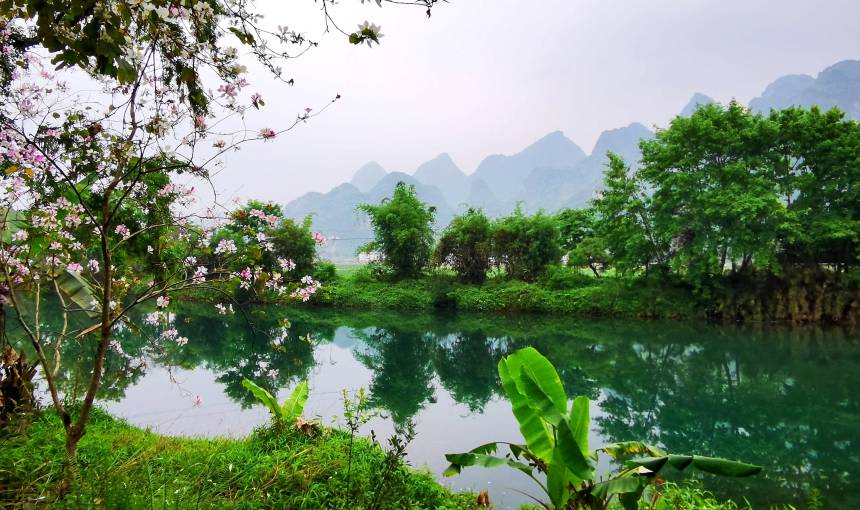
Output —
(623, 225)
(403, 233)
(714, 193)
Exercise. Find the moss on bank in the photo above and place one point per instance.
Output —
(121, 466)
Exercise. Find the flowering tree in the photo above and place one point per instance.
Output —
(94, 213)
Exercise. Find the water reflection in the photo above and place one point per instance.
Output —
(783, 398)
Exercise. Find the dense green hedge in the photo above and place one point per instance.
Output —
(563, 291)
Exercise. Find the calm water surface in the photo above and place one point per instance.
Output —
(784, 398)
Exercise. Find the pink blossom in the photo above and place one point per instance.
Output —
(225, 246)
(198, 401)
(320, 239)
(200, 121)
(74, 267)
(123, 231)
(267, 133)
(162, 301)
(228, 90)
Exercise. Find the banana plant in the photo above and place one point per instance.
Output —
(292, 408)
(556, 445)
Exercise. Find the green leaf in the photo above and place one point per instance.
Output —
(623, 485)
(532, 428)
(481, 457)
(652, 464)
(625, 448)
(543, 373)
(76, 289)
(716, 466)
(580, 421)
(264, 397)
(557, 481)
(725, 467)
(572, 454)
(125, 72)
(537, 399)
(294, 406)
(355, 38)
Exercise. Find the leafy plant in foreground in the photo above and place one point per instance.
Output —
(557, 444)
(293, 407)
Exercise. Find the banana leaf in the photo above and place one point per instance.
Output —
(294, 406)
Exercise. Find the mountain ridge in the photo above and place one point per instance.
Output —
(551, 173)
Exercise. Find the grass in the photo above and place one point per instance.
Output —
(561, 291)
(121, 466)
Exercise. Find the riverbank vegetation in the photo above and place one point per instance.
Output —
(120, 466)
(755, 217)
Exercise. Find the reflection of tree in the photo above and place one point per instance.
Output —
(256, 347)
(402, 370)
(122, 368)
(786, 401)
(466, 365)
(784, 398)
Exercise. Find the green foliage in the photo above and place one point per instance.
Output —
(565, 278)
(324, 271)
(622, 227)
(575, 225)
(289, 240)
(466, 246)
(559, 290)
(753, 191)
(556, 444)
(525, 245)
(591, 252)
(293, 407)
(125, 467)
(402, 231)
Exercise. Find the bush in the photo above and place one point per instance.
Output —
(563, 278)
(525, 245)
(325, 271)
(402, 231)
(466, 245)
(293, 241)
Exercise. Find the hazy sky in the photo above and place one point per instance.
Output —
(491, 76)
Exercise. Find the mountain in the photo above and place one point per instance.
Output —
(694, 103)
(505, 174)
(550, 174)
(837, 86)
(367, 176)
(573, 187)
(335, 213)
(444, 174)
(428, 194)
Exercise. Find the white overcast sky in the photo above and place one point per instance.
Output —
(491, 76)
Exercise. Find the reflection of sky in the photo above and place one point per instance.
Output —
(444, 426)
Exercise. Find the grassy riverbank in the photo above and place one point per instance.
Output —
(563, 291)
(122, 466)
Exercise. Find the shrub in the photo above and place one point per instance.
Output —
(325, 271)
(563, 278)
(295, 242)
(466, 245)
(402, 231)
(525, 245)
